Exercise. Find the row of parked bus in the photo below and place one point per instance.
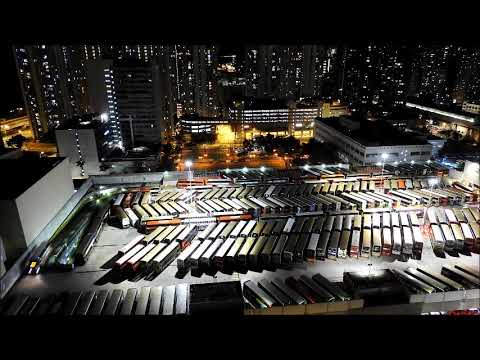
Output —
(317, 289)
(292, 291)
(71, 246)
(454, 228)
(320, 196)
(451, 278)
(133, 208)
(155, 300)
(152, 253)
(280, 242)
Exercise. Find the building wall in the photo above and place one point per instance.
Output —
(41, 202)
(11, 232)
(24, 218)
(77, 145)
(300, 118)
(471, 108)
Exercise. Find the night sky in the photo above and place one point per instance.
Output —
(11, 94)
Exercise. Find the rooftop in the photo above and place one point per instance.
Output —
(20, 174)
(87, 121)
(271, 103)
(371, 133)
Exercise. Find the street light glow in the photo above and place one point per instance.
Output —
(262, 169)
(227, 170)
(379, 163)
(429, 161)
(188, 163)
(323, 165)
(384, 156)
(306, 167)
(395, 163)
(412, 162)
(244, 169)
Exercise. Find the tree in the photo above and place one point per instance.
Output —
(167, 149)
(17, 141)
(81, 164)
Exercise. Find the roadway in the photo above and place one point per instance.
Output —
(213, 157)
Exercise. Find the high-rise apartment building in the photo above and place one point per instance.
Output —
(196, 83)
(435, 86)
(374, 76)
(467, 75)
(53, 84)
(288, 72)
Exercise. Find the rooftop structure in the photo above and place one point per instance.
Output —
(363, 142)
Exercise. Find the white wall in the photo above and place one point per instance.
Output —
(87, 148)
(11, 229)
(41, 202)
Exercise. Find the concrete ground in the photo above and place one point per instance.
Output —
(96, 274)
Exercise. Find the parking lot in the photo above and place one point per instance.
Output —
(95, 274)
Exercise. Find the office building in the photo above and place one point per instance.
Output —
(136, 97)
(274, 115)
(29, 200)
(334, 109)
(471, 108)
(193, 123)
(363, 142)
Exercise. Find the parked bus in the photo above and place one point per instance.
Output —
(333, 242)
(376, 220)
(404, 219)
(355, 243)
(448, 235)
(417, 242)
(397, 241)
(367, 221)
(407, 246)
(343, 244)
(438, 238)
(469, 239)
(120, 217)
(386, 220)
(366, 241)
(387, 241)
(377, 242)
(458, 235)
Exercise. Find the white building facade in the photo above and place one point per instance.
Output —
(360, 154)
